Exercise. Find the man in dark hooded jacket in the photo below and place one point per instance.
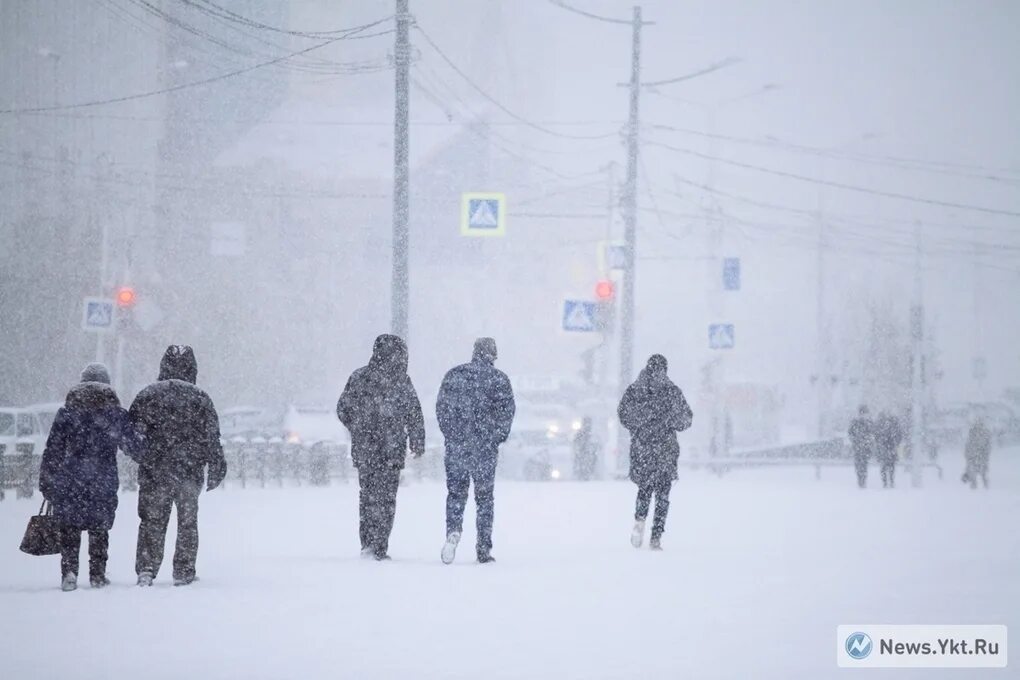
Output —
(888, 435)
(653, 409)
(862, 443)
(79, 471)
(380, 408)
(475, 409)
(182, 434)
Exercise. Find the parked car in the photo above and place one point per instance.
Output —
(21, 445)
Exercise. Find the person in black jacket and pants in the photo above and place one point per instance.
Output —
(475, 409)
(182, 433)
(380, 408)
(653, 409)
(79, 471)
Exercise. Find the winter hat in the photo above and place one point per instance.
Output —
(485, 348)
(96, 372)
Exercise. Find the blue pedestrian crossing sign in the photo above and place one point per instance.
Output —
(721, 336)
(580, 316)
(97, 315)
(483, 214)
(731, 273)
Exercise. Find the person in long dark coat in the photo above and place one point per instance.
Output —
(888, 435)
(977, 452)
(79, 471)
(475, 409)
(380, 408)
(586, 452)
(654, 410)
(182, 432)
(862, 443)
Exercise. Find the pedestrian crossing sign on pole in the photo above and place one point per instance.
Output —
(721, 336)
(97, 315)
(580, 316)
(482, 214)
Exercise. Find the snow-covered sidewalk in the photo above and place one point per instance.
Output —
(759, 568)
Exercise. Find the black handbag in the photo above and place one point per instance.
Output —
(42, 537)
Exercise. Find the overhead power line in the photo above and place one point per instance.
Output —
(222, 12)
(499, 104)
(184, 86)
(834, 184)
(597, 17)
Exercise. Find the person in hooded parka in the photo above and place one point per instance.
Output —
(182, 433)
(475, 409)
(380, 408)
(78, 474)
(654, 410)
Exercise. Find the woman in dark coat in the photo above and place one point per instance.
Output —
(79, 471)
(653, 409)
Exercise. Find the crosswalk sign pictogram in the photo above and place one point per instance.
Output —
(721, 336)
(483, 214)
(97, 315)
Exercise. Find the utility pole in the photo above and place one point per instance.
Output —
(630, 210)
(822, 368)
(917, 363)
(400, 292)
(630, 223)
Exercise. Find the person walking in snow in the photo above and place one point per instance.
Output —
(888, 435)
(475, 409)
(862, 443)
(78, 475)
(380, 408)
(182, 433)
(653, 410)
(586, 451)
(977, 451)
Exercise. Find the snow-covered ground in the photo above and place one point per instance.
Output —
(759, 569)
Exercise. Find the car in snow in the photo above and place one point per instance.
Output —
(21, 445)
(540, 447)
(313, 424)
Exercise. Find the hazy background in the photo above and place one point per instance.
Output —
(252, 215)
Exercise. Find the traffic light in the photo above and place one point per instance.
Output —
(125, 297)
(604, 290)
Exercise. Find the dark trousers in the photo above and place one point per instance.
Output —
(464, 464)
(70, 546)
(377, 506)
(888, 474)
(861, 466)
(154, 504)
(644, 502)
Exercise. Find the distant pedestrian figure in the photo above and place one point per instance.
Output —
(586, 452)
(653, 409)
(79, 471)
(888, 436)
(182, 435)
(380, 408)
(977, 452)
(475, 409)
(862, 443)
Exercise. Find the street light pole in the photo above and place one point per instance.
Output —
(400, 292)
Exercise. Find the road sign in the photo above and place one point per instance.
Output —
(483, 214)
(979, 368)
(97, 315)
(580, 316)
(721, 336)
(731, 273)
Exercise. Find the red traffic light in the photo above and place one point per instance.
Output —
(604, 290)
(125, 296)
